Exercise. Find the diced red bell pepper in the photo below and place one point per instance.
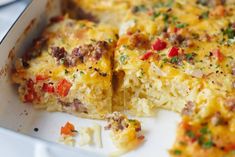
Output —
(49, 88)
(218, 55)
(230, 147)
(29, 97)
(176, 30)
(30, 84)
(159, 45)
(146, 55)
(41, 78)
(63, 87)
(67, 129)
(173, 52)
(31, 94)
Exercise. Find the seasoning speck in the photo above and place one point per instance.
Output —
(36, 129)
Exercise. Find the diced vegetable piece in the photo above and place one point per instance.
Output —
(218, 55)
(173, 52)
(41, 78)
(68, 129)
(49, 88)
(146, 55)
(29, 97)
(63, 87)
(159, 45)
(30, 84)
(31, 94)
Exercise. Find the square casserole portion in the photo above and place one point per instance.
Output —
(68, 69)
(165, 59)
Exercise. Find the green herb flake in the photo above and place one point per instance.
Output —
(169, 3)
(181, 25)
(123, 59)
(190, 56)
(110, 40)
(160, 4)
(165, 60)
(62, 60)
(204, 15)
(155, 15)
(174, 60)
(204, 130)
(202, 2)
(93, 40)
(66, 71)
(82, 25)
(177, 152)
(190, 134)
(174, 19)
(165, 17)
(139, 8)
(229, 32)
(81, 73)
(207, 144)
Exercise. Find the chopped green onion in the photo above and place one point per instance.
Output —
(181, 25)
(177, 152)
(207, 144)
(123, 59)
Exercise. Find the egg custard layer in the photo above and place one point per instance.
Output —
(138, 56)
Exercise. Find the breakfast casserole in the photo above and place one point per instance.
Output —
(136, 57)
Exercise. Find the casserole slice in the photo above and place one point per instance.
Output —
(69, 69)
(168, 57)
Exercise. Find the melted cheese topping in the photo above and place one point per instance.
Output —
(176, 55)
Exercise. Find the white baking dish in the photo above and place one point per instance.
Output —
(18, 120)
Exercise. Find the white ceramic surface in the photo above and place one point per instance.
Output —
(21, 119)
(9, 14)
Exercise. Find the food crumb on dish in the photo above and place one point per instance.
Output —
(85, 135)
(125, 133)
(68, 134)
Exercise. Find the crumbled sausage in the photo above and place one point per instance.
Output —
(100, 48)
(119, 122)
(58, 53)
(88, 51)
(139, 40)
(188, 109)
(176, 39)
(79, 106)
(116, 121)
(76, 106)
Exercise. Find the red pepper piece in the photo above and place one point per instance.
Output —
(63, 87)
(218, 55)
(146, 55)
(49, 88)
(173, 52)
(41, 78)
(159, 45)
